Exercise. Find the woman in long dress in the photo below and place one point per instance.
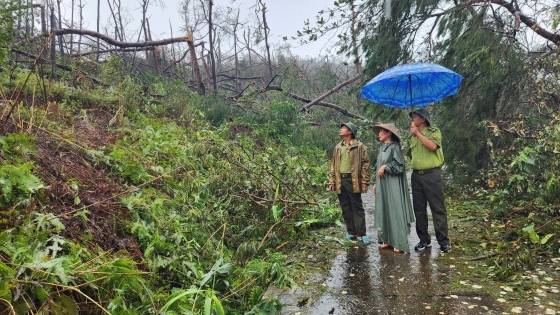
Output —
(393, 209)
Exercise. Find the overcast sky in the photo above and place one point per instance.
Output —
(284, 18)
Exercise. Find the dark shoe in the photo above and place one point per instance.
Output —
(445, 248)
(422, 246)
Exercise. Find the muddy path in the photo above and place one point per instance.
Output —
(368, 280)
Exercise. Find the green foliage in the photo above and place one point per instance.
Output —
(532, 175)
(196, 183)
(17, 147)
(18, 184)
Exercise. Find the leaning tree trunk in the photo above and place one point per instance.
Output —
(199, 84)
(212, 58)
(265, 27)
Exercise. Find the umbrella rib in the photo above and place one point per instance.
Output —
(419, 87)
(396, 89)
(444, 81)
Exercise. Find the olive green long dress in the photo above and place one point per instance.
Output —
(393, 209)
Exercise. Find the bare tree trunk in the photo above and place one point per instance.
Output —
(81, 26)
(173, 45)
(355, 52)
(18, 27)
(72, 26)
(118, 4)
(218, 54)
(27, 19)
(265, 28)
(60, 38)
(117, 35)
(32, 16)
(205, 64)
(249, 47)
(145, 4)
(237, 87)
(155, 50)
(98, 21)
(53, 45)
(199, 84)
(213, 60)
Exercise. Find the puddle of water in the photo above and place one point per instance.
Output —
(369, 280)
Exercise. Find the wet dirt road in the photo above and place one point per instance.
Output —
(369, 280)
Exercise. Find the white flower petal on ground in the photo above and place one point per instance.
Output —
(428, 307)
(463, 282)
(548, 279)
(476, 286)
(549, 311)
(454, 296)
(501, 300)
(401, 279)
(351, 275)
(477, 298)
(343, 292)
(517, 310)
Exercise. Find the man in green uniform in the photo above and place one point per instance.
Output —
(349, 175)
(426, 157)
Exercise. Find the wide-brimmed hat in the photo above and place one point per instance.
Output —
(422, 112)
(352, 128)
(390, 127)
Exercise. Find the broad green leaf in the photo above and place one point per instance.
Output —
(546, 238)
(179, 296)
(528, 229)
(534, 237)
(208, 306)
(218, 308)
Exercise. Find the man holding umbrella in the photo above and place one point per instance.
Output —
(426, 157)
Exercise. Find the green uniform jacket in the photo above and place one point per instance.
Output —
(420, 157)
(359, 167)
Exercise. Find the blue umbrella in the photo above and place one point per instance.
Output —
(412, 84)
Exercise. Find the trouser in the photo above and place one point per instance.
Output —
(352, 208)
(426, 189)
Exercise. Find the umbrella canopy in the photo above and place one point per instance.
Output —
(412, 84)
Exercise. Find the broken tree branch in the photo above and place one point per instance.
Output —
(105, 38)
(329, 92)
(342, 110)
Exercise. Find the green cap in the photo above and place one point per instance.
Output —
(422, 112)
(352, 128)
